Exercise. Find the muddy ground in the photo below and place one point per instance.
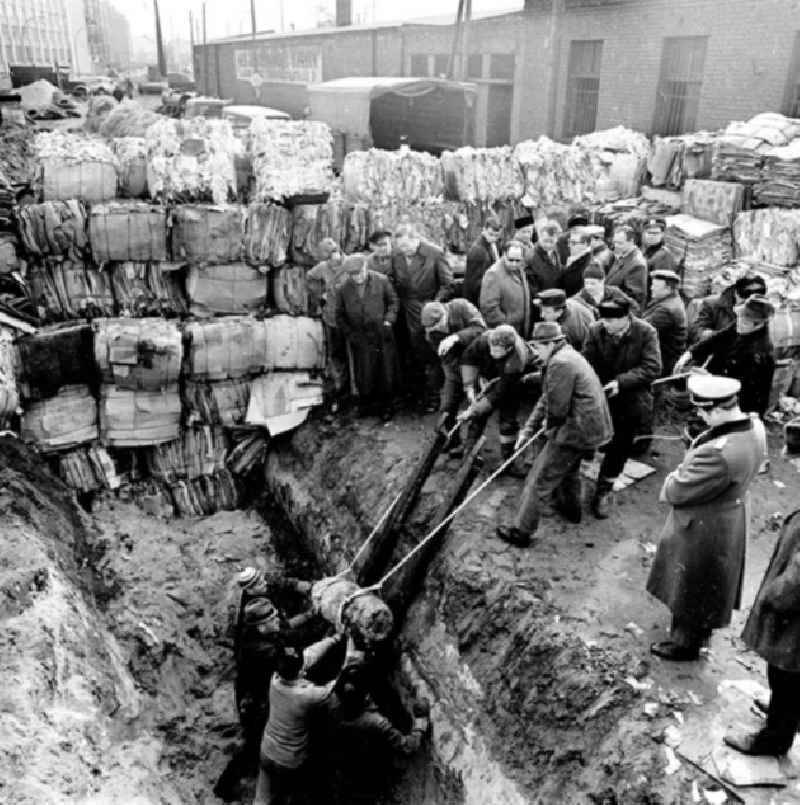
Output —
(115, 660)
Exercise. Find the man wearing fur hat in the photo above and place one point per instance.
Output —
(699, 565)
(450, 328)
(743, 351)
(574, 412)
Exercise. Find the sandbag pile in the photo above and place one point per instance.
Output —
(554, 173)
(718, 202)
(65, 289)
(132, 230)
(148, 289)
(673, 160)
(779, 183)
(481, 175)
(191, 160)
(54, 229)
(700, 247)
(290, 158)
(740, 150)
(382, 178)
(131, 154)
(226, 290)
(73, 167)
(769, 236)
(204, 233)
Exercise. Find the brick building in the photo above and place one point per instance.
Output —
(560, 67)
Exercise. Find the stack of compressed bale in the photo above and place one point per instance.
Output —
(779, 184)
(88, 469)
(193, 472)
(619, 157)
(700, 247)
(9, 393)
(139, 361)
(673, 160)
(210, 239)
(131, 153)
(57, 382)
(143, 289)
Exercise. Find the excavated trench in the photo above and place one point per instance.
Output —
(116, 673)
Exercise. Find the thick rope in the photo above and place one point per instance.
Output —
(376, 588)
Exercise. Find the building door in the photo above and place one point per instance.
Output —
(583, 87)
(678, 97)
(498, 115)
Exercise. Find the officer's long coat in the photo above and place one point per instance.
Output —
(699, 565)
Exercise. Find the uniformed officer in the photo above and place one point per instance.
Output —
(667, 313)
(699, 564)
(656, 254)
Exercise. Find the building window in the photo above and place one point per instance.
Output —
(475, 65)
(792, 102)
(501, 65)
(419, 64)
(583, 87)
(440, 63)
(682, 62)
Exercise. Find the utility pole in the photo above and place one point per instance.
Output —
(451, 64)
(162, 61)
(204, 24)
(253, 17)
(191, 32)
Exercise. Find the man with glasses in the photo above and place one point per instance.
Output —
(699, 565)
(544, 265)
(505, 293)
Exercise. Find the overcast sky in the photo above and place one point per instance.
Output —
(226, 17)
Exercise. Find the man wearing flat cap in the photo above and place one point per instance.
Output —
(742, 351)
(655, 253)
(667, 313)
(366, 310)
(624, 352)
(595, 290)
(574, 412)
(492, 367)
(719, 311)
(450, 328)
(573, 318)
(699, 564)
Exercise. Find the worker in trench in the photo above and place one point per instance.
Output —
(492, 371)
(420, 273)
(574, 417)
(699, 565)
(451, 327)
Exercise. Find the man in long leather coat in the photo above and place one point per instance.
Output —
(699, 564)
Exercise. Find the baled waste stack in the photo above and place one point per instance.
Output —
(673, 160)
(131, 154)
(131, 230)
(75, 167)
(9, 395)
(619, 157)
(147, 289)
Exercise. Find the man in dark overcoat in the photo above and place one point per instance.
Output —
(366, 310)
(483, 253)
(574, 411)
(667, 313)
(624, 352)
(773, 632)
(699, 564)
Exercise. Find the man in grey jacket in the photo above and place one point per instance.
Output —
(574, 412)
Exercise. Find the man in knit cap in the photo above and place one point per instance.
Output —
(450, 328)
(573, 318)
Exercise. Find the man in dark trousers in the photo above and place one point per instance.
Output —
(544, 266)
(451, 327)
(574, 412)
(667, 313)
(500, 358)
(655, 253)
(366, 310)
(718, 312)
(773, 632)
(699, 565)
(420, 273)
(628, 272)
(624, 352)
(743, 351)
(483, 253)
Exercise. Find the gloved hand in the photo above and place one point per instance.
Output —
(447, 344)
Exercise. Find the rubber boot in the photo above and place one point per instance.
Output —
(601, 503)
